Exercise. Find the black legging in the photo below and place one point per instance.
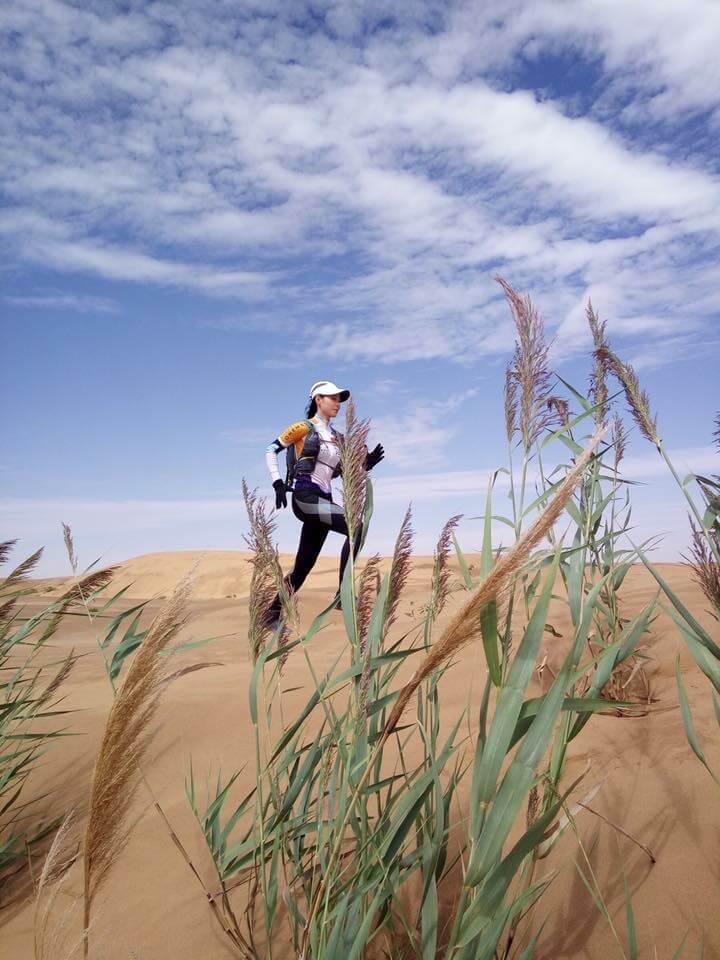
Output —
(318, 515)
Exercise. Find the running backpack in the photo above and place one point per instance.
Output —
(307, 458)
(305, 463)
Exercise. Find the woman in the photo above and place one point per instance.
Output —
(318, 461)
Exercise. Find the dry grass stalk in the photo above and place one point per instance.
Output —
(560, 408)
(124, 742)
(70, 546)
(49, 940)
(399, 568)
(637, 399)
(23, 570)
(353, 451)
(598, 381)
(716, 432)
(705, 568)
(629, 681)
(618, 438)
(511, 402)
(267, 578)
(6, 548)
(441, 569)
(82, 588)
(465, 625)
(61, 676)
(533, 806)
(367, 591)
(530, 370)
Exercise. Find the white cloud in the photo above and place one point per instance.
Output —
(71, 302)
(150, 147)
(420, 435)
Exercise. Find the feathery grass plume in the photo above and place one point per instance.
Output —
(598, 381)
(705, 568)
(5, 549)
(441, 570)
(353, 450)
(465, 625)
(399, 568)
(711, 491)
(716, 432)
(267, 578)
(23, 570)
(70, 546)
(637, 399)
(511, 401)
(49, 940)
(80, 592)
(124, 742)
(367, 591)
(533, 806)
(561, 408)
(530, 368)
(618, 438)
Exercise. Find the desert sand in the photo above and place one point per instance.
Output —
(652, 784)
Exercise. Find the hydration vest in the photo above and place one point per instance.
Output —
(304, 464)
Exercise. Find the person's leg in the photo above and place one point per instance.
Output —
(345, 553)
(312, 538)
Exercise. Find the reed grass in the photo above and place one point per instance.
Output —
(32, 717)
(351, 807)
(355, 836)
(124, 743)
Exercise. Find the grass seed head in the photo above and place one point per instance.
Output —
(70, 546)
(619, 438)
(511, 399)
(267, 577)
(367, 591)
(706, 571)
(353, 451)
(600, 370)
(441, 569)
(125, 739)
(399, 568)
(637, 399)
(530, 375)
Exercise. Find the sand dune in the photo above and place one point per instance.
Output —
(653, 786)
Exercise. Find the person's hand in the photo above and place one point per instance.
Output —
(374, 457)
(280, 494)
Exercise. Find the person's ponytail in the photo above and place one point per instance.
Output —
(311, 408)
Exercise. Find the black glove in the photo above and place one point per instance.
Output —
(374, 457)
(280, 494)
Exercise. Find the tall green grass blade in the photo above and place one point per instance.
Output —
(519, 776)
(701, 634)
(462, 562)
(700, 653)
(630, 921)
(509, 706)
(688, 722)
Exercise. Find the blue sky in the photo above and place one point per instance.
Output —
(208, 206)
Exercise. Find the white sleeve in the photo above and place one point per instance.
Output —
(271, 452)
(295, 432)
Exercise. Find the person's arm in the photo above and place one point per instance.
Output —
(295, 432)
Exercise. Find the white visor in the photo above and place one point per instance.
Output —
(327, 388)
